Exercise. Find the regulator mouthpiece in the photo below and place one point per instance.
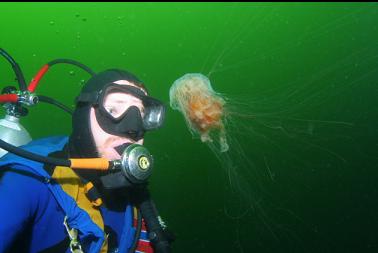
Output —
(133, 169)
(136, 163)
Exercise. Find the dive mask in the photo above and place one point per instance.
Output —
(120, 117)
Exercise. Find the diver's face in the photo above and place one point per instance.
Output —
(115, 103)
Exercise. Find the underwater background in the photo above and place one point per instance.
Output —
(304, 77)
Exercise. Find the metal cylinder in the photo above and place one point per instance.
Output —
(12, 132)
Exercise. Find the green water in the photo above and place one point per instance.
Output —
(315, 187)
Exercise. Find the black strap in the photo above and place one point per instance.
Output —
(89, 97)
(92, 193)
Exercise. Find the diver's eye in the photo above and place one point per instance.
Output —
(112, 111)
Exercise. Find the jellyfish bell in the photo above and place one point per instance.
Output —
(202, 107)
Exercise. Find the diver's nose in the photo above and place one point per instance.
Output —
(131, 125)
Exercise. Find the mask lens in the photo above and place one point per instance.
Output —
(154, 116)
(116, 102)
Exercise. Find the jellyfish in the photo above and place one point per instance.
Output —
(209, 116)
(202, 108)
(251, 139)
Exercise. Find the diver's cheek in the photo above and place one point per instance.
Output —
(111, 154)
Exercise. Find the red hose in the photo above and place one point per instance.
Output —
(9, 98)
(33, 84)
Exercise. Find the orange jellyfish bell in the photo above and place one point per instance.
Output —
(202, 107)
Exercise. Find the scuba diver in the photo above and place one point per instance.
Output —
(47, 206)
